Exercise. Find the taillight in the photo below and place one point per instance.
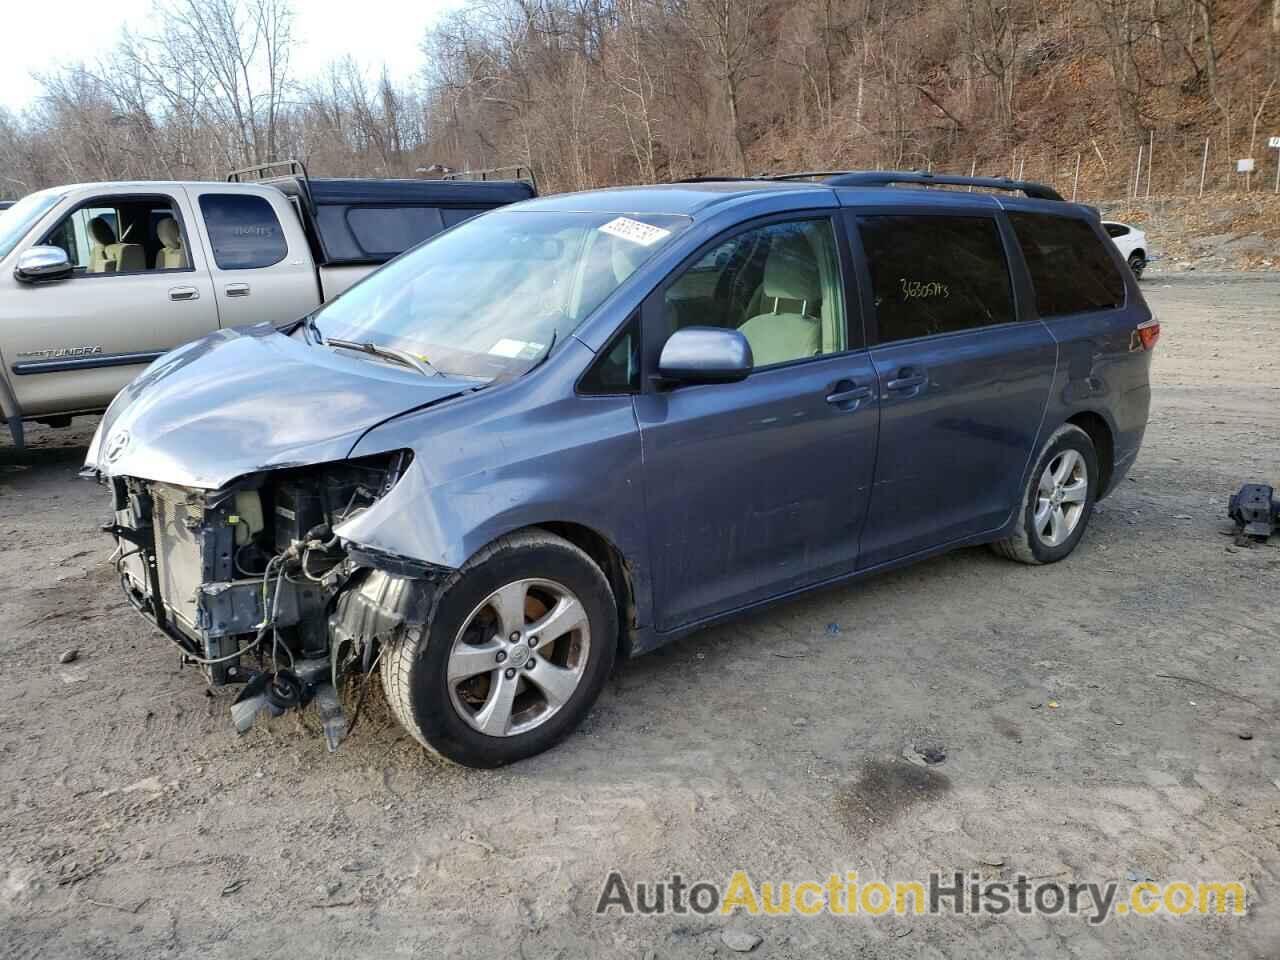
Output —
(1149, 333)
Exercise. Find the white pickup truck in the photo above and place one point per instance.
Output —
(97, 280)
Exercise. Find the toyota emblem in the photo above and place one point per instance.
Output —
(117, 445)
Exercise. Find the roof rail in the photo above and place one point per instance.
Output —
(887, 178)
(259, 171)
(517, 171)
(721, 178)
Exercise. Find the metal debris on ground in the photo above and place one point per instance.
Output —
(1255, 510)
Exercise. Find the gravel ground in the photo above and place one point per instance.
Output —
(134, 823)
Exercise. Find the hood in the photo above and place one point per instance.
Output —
(251, 399)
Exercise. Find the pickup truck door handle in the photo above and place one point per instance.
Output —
(906, 379)
(184, 293)
(237, 289)
(846, 392)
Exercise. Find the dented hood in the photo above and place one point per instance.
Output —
(249, 399)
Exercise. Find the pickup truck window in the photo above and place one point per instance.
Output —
(392, 230)
(244, 231)
(122, 234)
(22, 216)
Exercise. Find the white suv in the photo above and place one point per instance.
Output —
(1132, 243)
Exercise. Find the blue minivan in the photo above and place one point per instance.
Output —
(579, 427)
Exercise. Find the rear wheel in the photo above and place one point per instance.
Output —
(1137, 263)
(1058, 501)
(517, 651)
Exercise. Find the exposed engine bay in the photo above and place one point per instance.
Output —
(254, 586)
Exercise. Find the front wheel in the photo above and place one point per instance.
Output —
(517, 651)
(1058, 501)
(1137, 263)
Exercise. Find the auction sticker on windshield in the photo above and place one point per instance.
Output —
(635, 231)
(512, 349)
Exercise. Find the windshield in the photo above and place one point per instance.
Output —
(494, 295)
(18, 219)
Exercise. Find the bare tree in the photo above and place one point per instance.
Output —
(728, 34)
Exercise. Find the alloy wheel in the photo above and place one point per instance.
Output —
(1061, 497)
(519, 657)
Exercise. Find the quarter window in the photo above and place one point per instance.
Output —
(935, 274)
(1070, 268)
(244, 231)
(778, 285)
(617, 368)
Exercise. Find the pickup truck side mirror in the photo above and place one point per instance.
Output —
(42, 265)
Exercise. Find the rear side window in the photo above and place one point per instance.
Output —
(244, 231)
(932, 274)
(1070, 268)
(388, 231)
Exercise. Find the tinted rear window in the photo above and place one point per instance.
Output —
(932, 274)
(244, 231)
(383, 231)
(453, 215)
(1070, 268)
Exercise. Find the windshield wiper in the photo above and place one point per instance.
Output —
(373, 349)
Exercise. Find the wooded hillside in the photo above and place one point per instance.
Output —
(595, 92)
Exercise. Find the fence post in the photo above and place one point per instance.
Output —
(1137, 174)
(1204, 166)
(1151, 155)
(1075, 184)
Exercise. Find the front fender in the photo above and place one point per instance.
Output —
(575, 460)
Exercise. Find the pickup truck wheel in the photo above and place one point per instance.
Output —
(517, 651)
(1058, 501)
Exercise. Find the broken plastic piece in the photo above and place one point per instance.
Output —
(332, 719)
(250, 700)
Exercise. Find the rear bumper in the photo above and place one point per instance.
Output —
(1124, 460)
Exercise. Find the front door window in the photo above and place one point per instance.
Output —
(778, 285)
(126, 235)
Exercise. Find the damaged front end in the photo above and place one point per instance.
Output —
(255, 583)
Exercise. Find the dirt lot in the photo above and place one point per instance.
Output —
(134, 823)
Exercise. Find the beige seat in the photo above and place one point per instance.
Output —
(791, 279)
(108, 256)
(101, 239)
(172, 255)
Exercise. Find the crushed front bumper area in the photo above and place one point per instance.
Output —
(252, 585)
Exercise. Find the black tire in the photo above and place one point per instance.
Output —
(1026, 544)
(414, 664)
(1137, 263)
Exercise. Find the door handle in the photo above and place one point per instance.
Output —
(906, 380)
(237, 289)
(850, 394)
(184, 293)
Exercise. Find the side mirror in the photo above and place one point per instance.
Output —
(705, 355)
(43, 264)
